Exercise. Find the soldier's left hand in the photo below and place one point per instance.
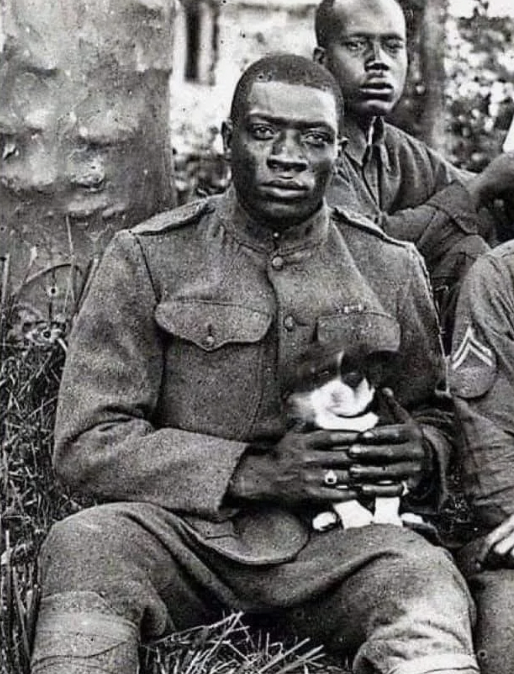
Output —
(391, 453)
(497, 549)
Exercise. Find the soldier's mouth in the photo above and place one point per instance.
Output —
(285, 189)
(377, 90)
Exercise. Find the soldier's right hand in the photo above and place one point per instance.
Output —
(301, 468)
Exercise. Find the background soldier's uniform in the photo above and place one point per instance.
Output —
(175, 367)
(415, 195)
(482, 380)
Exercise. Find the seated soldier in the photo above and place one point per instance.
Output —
(171, 415)
(410, 190)
(482, 379)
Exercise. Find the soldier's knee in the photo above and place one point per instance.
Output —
(76, 531)
(67, 552)
(431, 572)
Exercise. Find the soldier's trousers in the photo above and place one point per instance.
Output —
(493, 591)
(117, 573)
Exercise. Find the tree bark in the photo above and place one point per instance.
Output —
(432, 53)
(84, 147)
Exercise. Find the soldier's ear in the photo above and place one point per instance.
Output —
(319, 55)
(226, 133)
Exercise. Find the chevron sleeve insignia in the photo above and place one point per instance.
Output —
(471, 345)
(472, 366)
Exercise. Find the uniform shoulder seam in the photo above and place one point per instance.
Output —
(504, 250)
(174, 219)
(363, 223)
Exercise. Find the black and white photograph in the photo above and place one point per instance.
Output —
(256, 337)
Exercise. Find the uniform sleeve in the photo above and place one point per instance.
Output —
(437, 225)
(421, 378)
(106, 445)
(482, 383)
(446, 229)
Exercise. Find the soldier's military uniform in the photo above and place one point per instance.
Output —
(415, 195)
(175, 368)
(482, 381)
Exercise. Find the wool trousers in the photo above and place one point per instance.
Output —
(493, 592)
(116, 574)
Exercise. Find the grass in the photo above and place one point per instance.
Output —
(30, 499)
(230, 647)
(32, 354)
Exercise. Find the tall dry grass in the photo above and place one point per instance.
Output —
(31, 359)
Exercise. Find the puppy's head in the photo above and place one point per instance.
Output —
(327, 378)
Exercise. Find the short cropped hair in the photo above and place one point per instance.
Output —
(326, 22)
(289, 69)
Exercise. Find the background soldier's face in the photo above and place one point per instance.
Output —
(282, 150)
(367, 55)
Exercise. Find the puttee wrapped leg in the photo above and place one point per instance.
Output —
(75, 635)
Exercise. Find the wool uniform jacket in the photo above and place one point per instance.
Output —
(482, 381)
(178, 355)
(408, 189)
(415, 195)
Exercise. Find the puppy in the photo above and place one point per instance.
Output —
(335, 391)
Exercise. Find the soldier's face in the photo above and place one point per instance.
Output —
(282, 150)
(367, 55)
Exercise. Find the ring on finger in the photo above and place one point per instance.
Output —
(330, 478)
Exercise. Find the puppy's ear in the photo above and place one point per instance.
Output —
(380, 366)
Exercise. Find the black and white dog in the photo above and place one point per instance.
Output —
(335, 391)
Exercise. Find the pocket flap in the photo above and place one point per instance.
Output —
(360, 331)
(210, 325)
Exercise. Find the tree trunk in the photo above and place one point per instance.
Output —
(84, 147)
(432, 53)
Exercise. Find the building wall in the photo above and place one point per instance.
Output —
(243, 31)
(496, 7)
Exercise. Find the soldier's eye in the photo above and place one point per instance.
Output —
(356, 45)
(262, 131)
(394, 45)
(317, 138)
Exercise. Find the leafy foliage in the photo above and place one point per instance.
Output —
(480, 89)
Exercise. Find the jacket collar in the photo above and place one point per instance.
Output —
(260, 236)
(358, 144)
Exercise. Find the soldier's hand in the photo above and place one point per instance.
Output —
(497, 550)
(494, 181)
(310, 467)
(393, 453)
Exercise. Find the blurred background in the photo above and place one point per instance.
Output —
(459, 96)
(110, 111)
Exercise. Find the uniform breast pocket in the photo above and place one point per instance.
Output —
(360, 330)
(213, 365)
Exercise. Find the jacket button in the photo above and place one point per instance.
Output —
(209, 340)
(289, 323)
(277, 262)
